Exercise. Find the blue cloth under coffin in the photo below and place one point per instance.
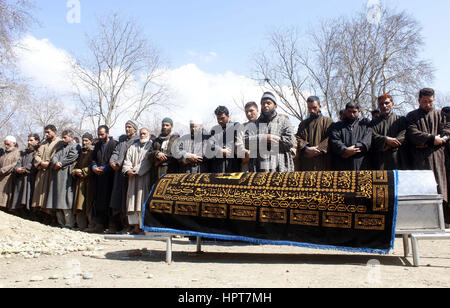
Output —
(339, 210)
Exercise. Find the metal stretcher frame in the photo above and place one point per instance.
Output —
(419, 218)
(420, 224)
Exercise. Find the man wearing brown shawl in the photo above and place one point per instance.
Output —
(427, 134)
(42, 160)
(83, 197)
(312, 139)
(7, 163)
(388, 137)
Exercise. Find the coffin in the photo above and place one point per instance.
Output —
(420, 206)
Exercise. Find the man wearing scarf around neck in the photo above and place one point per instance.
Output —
(275, 139)
(161, 156)
(313, 139)
(7, 163)
(350, 142)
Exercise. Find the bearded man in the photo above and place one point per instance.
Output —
(350, 142)
(119, 195)
(162, 156)
(192, 149)
(83, 196)
(428, 133)
(42, 160)
(274, 136)
(25, 173)
(137, 167)
(313, 139)
(61, 191)
(7, 163)
(388, 137)
(103, 177)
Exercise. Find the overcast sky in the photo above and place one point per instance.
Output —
(209, 44)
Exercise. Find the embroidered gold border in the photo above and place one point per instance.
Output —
(187, 208)
(244, 213)
(337, 220)
(162, 207)
(380, 198)
(380, 177)
(370, 222)
(278, 216)
(305, 218)
(210, 210)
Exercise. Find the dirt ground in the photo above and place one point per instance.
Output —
(131, 264)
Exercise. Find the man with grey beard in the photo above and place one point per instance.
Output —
(191, 149)
(7, 163)
(137, 167)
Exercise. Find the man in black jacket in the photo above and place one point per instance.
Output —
(350, 142)
(103, 179)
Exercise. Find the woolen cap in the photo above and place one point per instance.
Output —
(168, 120)
(133, 123)
(269, 95)
(88, 136)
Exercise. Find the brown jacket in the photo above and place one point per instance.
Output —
(7, 163)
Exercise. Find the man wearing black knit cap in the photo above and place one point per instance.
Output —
(274, 136)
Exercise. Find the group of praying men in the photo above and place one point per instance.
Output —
(102, 185)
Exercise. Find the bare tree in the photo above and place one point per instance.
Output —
(15, 19)
(280, 67)
(122, 75)
(49, 109)
(350, 60)
(369, 59)
(442, 100)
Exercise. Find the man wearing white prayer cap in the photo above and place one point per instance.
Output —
(11, 139)
(7, 163)
(191, 149)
